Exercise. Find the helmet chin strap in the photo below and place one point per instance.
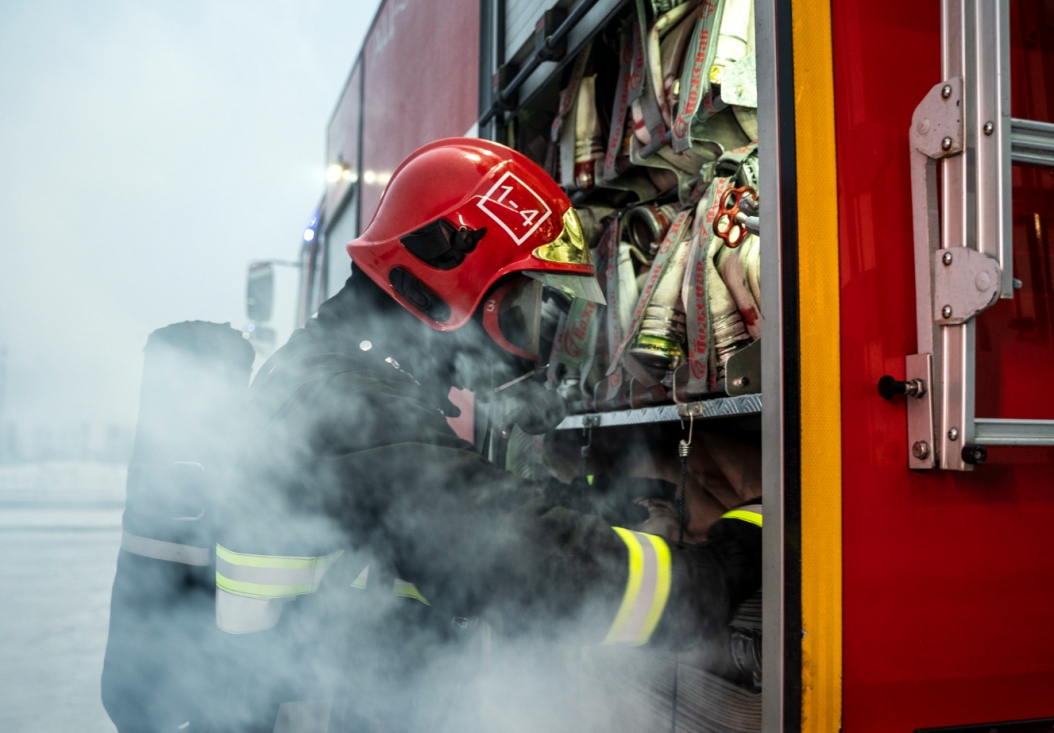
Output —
(523, 378)
(480, 364)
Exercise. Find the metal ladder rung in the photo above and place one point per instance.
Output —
(997, 431)
(1032, 143)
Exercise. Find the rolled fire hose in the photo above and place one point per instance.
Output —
(731, 263)
(589, 140)
(730, 333)
(660, 343)
(647, 225)
(628, 292)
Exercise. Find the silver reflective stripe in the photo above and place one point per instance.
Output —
(270, 576)
(303, 716)
(159, 550)
(244, 615)
(647, 588)
(649, 580)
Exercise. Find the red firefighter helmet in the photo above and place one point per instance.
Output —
(459, 215)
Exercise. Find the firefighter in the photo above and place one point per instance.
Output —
(365, 536)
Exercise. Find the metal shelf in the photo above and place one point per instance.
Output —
(703, 410)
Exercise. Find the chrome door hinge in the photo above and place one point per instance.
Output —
(965, 282)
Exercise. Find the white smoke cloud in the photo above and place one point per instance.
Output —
(147, 153)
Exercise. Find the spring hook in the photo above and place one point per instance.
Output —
(588, 432)
(684, 449)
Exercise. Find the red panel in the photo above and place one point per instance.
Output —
(422, 83)
(342, 138)
(948, 577)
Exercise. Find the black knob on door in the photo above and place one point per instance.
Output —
(889, 387)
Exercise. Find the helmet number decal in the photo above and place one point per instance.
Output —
(515, 207)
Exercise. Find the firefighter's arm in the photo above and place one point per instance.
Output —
(709, 581)
(654, 591)
(477, 541)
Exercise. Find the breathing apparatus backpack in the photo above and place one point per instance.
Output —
(156, 673)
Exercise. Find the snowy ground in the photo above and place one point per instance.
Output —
(60, 527)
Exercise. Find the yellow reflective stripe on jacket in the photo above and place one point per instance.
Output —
(750, 514)
(406, 589)
(400, 587)
(647, 588)
(270, 576)
(360, 582)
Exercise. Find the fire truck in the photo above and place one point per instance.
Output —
(846, 206)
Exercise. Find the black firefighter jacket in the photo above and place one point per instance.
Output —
(415, 537)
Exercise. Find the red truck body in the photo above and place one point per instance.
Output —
(943, 612)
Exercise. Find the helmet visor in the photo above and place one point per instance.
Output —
(577, 286)
(570, 248)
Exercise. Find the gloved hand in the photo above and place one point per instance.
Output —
(615, 499)
(661, 520)
(534, 409)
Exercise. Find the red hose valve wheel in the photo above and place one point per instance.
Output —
(726, 225)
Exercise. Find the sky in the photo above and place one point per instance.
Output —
(148, 152)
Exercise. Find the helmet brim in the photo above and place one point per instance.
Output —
(585, 287)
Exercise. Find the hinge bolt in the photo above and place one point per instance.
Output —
(921, 450)
(946, 143)
(946, 258)
(1018, 284)
(953, 434)
(946, 91)
(989, 128)
(946, 311)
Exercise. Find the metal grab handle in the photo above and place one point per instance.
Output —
(936, 132)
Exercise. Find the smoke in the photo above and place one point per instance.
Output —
(148, 152)
(341, 448)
